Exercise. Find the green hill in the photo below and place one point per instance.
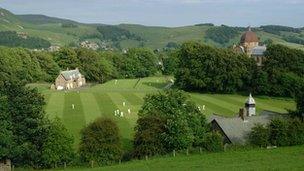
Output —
(65, 32)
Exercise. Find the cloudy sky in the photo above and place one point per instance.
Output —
(167, 12)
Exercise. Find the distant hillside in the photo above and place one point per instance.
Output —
(42, 19)
(65, 32)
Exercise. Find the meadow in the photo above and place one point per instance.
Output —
(283, 158)
(101, 100)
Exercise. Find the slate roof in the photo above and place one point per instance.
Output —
(71, 74)
(237, 130)
(259, 50)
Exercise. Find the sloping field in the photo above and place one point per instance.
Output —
(102, 100)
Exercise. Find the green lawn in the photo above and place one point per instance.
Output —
(102, 100)
(283, 158)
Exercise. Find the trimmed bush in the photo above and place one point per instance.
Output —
(100, 142)
(259, 136)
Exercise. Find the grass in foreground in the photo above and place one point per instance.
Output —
(283, 158)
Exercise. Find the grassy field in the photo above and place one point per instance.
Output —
(283, 158)
(103, 99)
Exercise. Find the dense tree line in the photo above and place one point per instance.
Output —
(12, 39)
(30, 66)
(115, 33)
(222, 34)
(69, 25)
(276, 29)
(294, 39)
(283, 71)
(27, 136)
(209, 69)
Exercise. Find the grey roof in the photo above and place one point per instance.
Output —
(259, 50)
(237, 129)
(71, 74)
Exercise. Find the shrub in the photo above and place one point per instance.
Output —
(100, 142)
(295, 132)
(147, 138)
(213, 142)
(278, 132)
(259, 136)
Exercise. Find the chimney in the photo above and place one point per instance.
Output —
(242, 113)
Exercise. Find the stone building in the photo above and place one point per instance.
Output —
(69, 79)
(250, 45)
(236, 129)
(5, 165)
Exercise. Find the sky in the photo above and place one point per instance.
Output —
(169, 13)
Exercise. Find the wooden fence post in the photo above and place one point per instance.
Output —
(146, 157)
(187, 152)
(200, 149)
(64, 165)
(173, 153)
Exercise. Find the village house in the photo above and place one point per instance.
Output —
(69, 79)
(235, 130)
(250, 45)
(5, 165)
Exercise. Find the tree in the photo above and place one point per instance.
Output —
(58, 146)
(259, 82)
(25, 106)
(6, 134)
(221, 34)
(170, 63)
(278, 132)
(47, 64)
(67, 58)
(147, 140)
(295, 132)
(100, 142)
(259, 136)
(209, 69)
(94, 66)
(184, 124)
(299, 112)
(139, 62)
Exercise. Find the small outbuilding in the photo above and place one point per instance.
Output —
(69, 79)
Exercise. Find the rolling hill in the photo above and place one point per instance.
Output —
(65, 32)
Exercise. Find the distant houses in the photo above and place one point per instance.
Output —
(235, 130)
(69, 79)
